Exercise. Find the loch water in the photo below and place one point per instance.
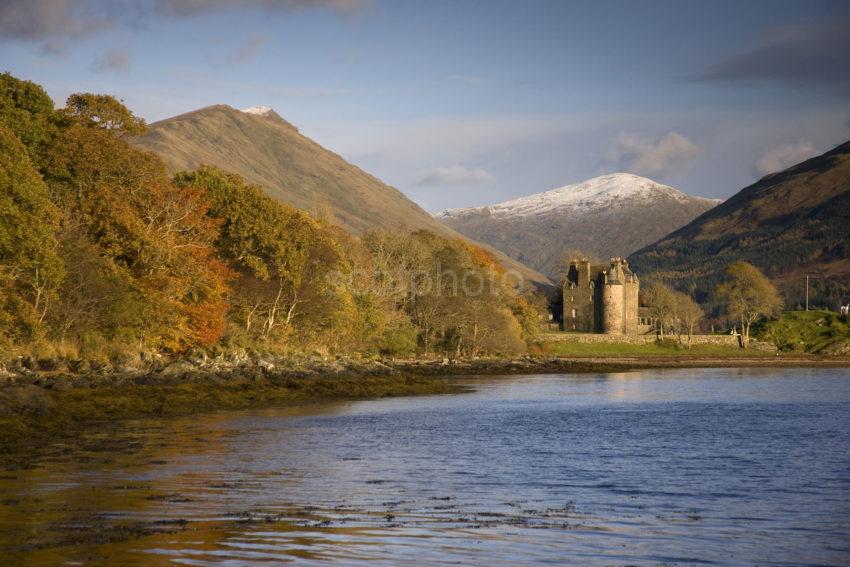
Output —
(662, 467)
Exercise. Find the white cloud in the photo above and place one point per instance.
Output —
(778, 158)
(671, 155)
(455, 176)
(533, 153)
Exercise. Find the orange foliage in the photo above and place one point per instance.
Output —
(481, 257)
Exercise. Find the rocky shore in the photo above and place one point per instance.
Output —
(43, 398)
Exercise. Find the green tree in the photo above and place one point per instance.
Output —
(103, 111)
(281, 254)
(27, 110)
(748, 296)
(29, 261)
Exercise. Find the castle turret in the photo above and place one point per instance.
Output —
(613, 301)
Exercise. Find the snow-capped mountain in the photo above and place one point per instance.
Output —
(611, 215)
(616, 189)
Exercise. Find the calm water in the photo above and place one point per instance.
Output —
(724, 467)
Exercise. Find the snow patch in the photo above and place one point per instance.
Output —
(258, 110)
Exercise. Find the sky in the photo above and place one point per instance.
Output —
(472, 102)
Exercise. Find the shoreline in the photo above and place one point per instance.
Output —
(41, 404)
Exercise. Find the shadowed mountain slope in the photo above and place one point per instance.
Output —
(789, 223)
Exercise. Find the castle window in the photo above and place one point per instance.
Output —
(574, 313)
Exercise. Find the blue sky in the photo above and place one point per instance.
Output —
(473, 102)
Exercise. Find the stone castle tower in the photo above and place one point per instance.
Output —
(601, 299)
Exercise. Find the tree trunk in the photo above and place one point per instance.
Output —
(273, 311)
(291, 311)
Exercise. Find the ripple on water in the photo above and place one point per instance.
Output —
(724, 467)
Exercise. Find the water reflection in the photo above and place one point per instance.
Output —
(727, 466)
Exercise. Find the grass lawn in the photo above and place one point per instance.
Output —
(806, 331)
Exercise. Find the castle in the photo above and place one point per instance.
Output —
(603, 299)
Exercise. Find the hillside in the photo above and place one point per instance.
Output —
(611, 215)
(268, 151)
(822, 332)
(790, 223)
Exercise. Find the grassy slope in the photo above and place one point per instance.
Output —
(270, 152)
(808, 331)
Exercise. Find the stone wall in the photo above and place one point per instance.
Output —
(725, 340)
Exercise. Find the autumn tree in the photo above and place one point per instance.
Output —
(661, 302)
(104, 112)
(157, 237)
(748, 296)
(462, 302)
(687, 314)
(282, 254)
(391, 273)
(30, 266)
